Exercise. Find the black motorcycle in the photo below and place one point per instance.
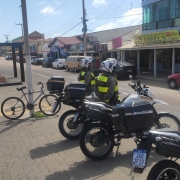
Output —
(166, 142)
(72, 122)
(125, 120)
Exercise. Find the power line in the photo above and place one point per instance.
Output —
(50, 13)
(55, 29)
(42, 8)
(120, 16)
(71, 28)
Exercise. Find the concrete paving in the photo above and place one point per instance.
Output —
(34, 149)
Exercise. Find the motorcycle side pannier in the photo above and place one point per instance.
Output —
(134, 116)
(75, 90)
(168, 149)
(55, 84)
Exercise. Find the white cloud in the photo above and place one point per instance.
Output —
(49, 10)
(97, 3)
(131, 18)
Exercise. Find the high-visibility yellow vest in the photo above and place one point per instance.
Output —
(82, 78)
(103, 86)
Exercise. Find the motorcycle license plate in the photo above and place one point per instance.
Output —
(75, 117)
(129, 70)
(139, 158)
(54, 106)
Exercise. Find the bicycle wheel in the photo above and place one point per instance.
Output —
(169, 121)
(12, 108)
(46, 105)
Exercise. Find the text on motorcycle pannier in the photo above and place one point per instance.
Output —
(75, 90)
(133, 116)
(55, 84)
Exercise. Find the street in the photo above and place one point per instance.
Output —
(34, 148)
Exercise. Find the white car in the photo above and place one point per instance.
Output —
(58, 63)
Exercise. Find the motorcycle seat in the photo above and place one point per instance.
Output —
(106, 105)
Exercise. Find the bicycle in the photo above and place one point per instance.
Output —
(13, 107)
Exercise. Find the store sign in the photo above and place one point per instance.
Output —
(116, 42)
(100, 48)
(164, 36)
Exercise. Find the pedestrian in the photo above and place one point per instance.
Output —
(97, 62)
(107, 84)
(86, 75)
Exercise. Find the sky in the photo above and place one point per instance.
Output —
(63, 17)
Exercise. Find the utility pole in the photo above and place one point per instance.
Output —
(6, 37)
(21, 29)
(84, 28)
(27, 54)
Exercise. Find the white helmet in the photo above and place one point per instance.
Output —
(85, 62)
(109, 65)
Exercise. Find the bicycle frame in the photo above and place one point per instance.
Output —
(32, 92)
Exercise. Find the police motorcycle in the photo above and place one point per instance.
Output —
(165, 142)
(72, 122)
(128, 119)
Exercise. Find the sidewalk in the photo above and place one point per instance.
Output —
(149, 75)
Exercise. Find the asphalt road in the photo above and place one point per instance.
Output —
(34, 149)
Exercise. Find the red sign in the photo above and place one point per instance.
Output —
(116, 42)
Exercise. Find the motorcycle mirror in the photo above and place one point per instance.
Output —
(130, 77)
(138, 83)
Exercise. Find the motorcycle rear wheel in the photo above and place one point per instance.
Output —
(99, 144)
(64, 126)
(165, 169)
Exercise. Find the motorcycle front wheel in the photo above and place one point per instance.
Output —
(96, 141)
(165, 169)
(168, 121)
(67, 128)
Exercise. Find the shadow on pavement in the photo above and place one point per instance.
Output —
(53, 148)
(13, 123)
(98, 169)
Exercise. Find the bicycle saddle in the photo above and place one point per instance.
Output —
(21, 88)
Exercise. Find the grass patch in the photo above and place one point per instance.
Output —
(39, 114)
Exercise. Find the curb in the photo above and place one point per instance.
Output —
(10, 84)
(152, 79)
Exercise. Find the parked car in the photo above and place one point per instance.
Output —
(48, 62)
(174, 80)
(123, 69)
(59, 63)
(8, 58)
(37, 61)
(17, 59)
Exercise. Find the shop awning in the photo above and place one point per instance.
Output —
(131, 46)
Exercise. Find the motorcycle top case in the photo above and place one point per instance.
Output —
(55, 84)
(133, 116)
(75, 90)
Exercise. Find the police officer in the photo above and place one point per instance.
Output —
(86, 75)
(107, 84)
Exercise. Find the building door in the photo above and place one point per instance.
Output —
(167, 62)
(144, 59)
